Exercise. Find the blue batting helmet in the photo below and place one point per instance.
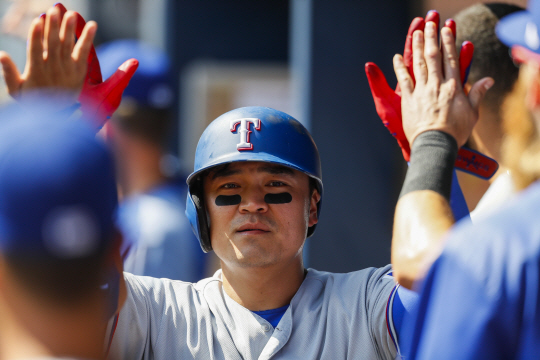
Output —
(250, 134)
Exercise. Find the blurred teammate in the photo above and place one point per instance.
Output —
(152, 210)
(480, 299)
(57, 236)
(477, 24)
(59, 256)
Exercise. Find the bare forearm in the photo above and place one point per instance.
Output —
(421, 220)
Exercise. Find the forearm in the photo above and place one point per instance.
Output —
(421, 220)
(423, 214)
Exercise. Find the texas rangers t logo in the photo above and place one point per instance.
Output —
(244, 131)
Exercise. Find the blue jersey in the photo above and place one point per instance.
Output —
(481, 298)
(158, 240)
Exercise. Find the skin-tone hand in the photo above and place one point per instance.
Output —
(54, 61)
(437, 101)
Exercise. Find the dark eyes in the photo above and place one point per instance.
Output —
(276, 183)
(230, 186)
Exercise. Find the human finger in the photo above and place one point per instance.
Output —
(465, 60)
(67, 35)
(451, 24)
(61, 9)
(416, 24)
(52, 34)
(12, 77)
(419, 63)
(432, 54)
(81, 23)
(478, 91)
(433, 15)
(84, 44)
(450, 58)
(402, 74)
(34, 50)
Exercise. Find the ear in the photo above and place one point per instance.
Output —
(313, 218)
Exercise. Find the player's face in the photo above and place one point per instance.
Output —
(253, 222)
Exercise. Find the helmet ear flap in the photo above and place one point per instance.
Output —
(197, 197)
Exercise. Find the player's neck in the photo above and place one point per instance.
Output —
(32, 332)
(487, 134)
(486, 138)
(263, 288)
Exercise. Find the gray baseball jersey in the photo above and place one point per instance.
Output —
(332, 316)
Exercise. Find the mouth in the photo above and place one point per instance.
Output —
(253, 229)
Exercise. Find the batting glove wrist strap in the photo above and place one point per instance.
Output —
(432, 161)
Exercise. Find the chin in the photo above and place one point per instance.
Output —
(254, 258)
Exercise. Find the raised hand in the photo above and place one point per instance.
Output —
(55, 63)
(388, 101)
(99, 100)
(436, 101)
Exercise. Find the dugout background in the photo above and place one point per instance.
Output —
(325, 45)
(316, 50)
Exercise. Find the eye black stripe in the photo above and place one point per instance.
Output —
(281, 198)
(226, 200)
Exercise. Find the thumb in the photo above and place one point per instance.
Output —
(12, 76)
(377, 82)
(114, 86)
(123, 74)
(478, 91)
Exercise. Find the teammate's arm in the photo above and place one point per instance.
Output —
(54, 60)
(438, 117)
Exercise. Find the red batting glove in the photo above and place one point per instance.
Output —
(99, 99)
(388, 101)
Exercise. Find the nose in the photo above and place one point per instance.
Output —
(253, 202)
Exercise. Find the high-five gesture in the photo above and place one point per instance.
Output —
(54, 60)
(62, 59)
(437, 100)
(99, 99)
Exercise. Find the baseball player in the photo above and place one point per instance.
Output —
(152, 209)
(57, 236)
(488, 305)
(254, 196)
(477, 24)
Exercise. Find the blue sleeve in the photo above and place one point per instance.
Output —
(469, 306)
(176, 256)
(405, 301)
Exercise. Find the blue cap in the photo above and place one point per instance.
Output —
(151, 84)
(57, 186)
(521, 28)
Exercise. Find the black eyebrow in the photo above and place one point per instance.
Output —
(225, 171)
